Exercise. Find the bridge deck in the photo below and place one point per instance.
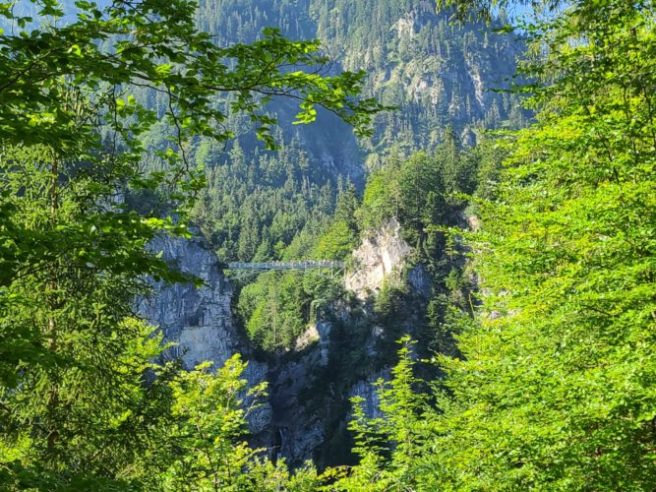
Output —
(285, 265)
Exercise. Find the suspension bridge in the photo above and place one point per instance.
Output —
(286, 265)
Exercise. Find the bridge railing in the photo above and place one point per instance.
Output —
(285, 265)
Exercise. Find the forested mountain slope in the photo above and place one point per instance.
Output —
(303, 200)
(495, 327)
(436, 74)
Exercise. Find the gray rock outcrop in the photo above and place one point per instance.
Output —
(198, 320)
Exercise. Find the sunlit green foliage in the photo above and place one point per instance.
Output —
(389, 445)
(209, 409)
(277, 307)
(83, 405)
(555, 390)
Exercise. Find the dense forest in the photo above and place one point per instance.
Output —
(505, 151)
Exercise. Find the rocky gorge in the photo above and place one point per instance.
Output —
(301, 415)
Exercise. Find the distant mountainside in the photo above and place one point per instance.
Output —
(436, 74)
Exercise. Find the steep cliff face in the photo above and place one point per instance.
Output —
(298, 427)
(308, 406)
(367, 390)
(199, 319)
(343, 355)
(379, 259)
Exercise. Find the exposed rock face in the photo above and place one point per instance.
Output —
(298, 430)
(199, 319)
(368, 391)
(318, 333)
(303, 412)
(298, 427)
(420, 281)
(379, 258)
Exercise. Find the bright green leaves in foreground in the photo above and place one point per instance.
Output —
(563, 376)
(209, 410)
(83, 403)
(389, 446)
(556, 389)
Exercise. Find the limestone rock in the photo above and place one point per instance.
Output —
(198, 319)
(379, 258)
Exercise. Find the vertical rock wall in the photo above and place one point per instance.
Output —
(302, 414)
(199, 319)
